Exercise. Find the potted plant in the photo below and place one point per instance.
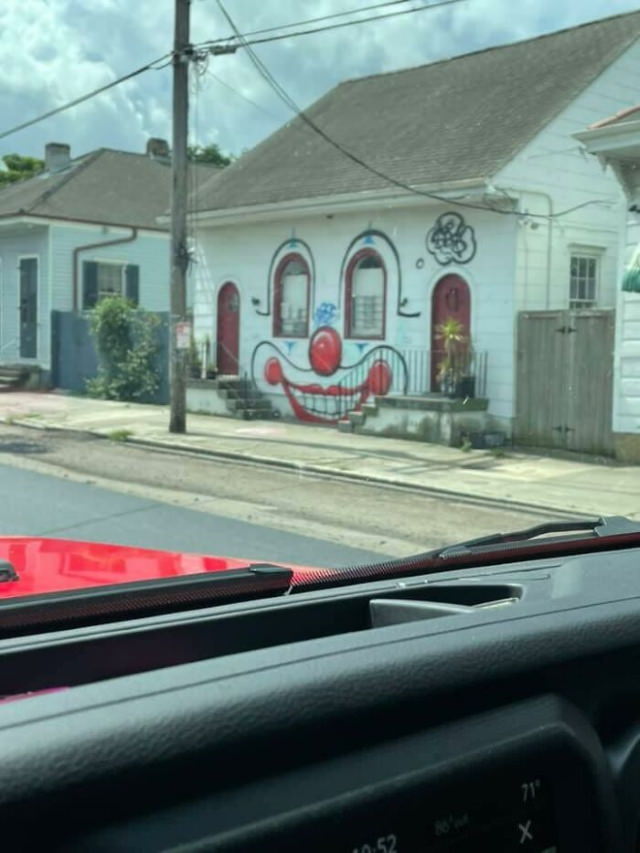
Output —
(452, 366)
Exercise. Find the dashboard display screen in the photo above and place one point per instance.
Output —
(507, 816)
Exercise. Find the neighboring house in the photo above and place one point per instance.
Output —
(81, 229)
(295, 236)
(616, 142)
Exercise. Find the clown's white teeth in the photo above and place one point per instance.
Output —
(325, 406)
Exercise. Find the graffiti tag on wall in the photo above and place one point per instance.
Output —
(451, 240)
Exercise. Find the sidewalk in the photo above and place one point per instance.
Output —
(552, 485)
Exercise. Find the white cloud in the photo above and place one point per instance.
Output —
(54, 50)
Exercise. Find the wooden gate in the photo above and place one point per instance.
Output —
(564, 378)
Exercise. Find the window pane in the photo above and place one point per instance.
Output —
(294, 297)
(367, 295)
(109, 279)
(583, 281)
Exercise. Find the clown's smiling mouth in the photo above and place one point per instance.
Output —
(330, 403)
(371, 376)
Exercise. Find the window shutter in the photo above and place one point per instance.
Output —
(89, 284)
(132, 285)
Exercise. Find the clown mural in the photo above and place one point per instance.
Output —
(330, 388)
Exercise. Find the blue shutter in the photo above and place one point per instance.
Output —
(89, 284)
(132, 284)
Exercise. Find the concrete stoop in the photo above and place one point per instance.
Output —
(434, 418)
(230, 396)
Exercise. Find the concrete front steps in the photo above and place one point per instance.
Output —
(434, 417)
(229, 396)
(13, 377)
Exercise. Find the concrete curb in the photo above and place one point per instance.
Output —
(544, 510)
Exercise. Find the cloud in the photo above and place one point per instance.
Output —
(54, 50)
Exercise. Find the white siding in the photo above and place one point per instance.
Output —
(13, 246)
(150, 251)
(626, 402)
(554, 164)
(243, 254)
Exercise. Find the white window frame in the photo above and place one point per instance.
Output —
(588, 253)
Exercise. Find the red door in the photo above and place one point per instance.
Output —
(450, 300)
(228, 338)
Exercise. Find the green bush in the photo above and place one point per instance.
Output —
(125, 340)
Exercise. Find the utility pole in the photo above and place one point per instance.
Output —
(179, 337)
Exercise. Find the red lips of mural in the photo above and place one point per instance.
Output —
(325, 356)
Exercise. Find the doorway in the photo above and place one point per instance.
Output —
(28, 307)
(228, 336)
(451, 299)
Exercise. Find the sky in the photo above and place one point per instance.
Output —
(52, 51)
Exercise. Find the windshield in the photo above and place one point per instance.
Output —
(314, 284)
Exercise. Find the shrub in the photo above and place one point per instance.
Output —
(125, 340)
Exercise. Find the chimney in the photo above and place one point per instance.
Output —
(158, 149)
(57, 156)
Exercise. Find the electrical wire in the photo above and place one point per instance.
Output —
(368, 20)
(293, 106)
(242, 37)
(148, 67)
(313, 20)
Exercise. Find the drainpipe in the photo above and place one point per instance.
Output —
(117, 242)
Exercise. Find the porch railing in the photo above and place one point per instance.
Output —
(431, 371)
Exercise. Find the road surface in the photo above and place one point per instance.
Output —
(81, 486)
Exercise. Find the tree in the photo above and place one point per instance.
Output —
(19, 168)
(209, 154)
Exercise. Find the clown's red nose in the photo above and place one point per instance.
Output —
(325, 351)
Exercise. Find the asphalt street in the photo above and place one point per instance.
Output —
(70, 484)
(36, 504)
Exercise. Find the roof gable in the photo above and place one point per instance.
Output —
(460, 119)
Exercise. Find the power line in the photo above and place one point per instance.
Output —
(149, 66)
(371, 18)
(242, 37)
(316, 20)
(313, 20)
(293, 106)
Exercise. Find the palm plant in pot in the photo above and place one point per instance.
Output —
(453, 373)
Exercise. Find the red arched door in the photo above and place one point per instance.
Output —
(228, 337)
(450, 300)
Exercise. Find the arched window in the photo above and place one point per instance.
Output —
(365, 294)
(291, 298)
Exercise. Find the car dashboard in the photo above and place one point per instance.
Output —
(494, 709)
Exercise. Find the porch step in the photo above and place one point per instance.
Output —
(13, 376)
(237, 397)
(345, 425)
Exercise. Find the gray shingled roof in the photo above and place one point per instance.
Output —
(105, 186)
(458, 119)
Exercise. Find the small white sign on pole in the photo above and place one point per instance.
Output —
(183, 335)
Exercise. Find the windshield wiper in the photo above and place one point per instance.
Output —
(613, 525)
(580, 535)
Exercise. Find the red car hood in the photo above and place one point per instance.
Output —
(58, 565)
